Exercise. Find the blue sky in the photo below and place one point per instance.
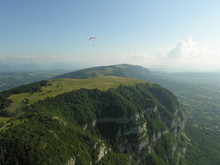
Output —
(150, 33)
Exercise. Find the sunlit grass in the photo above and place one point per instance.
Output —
(60, 86)
(4, 119)
(12, 124)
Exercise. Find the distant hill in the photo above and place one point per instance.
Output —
(11, 79)
(123, 70)
(5, 68)
(18, 68)
(27, 67)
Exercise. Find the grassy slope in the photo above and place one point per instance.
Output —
(60, 86)
(4, 119)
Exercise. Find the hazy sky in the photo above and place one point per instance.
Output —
(151, 33)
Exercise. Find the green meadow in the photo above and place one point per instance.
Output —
(4, 119)
(60, 86)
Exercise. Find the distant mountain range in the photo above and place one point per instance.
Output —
(27, 67)
(21, 67)
(6, 68)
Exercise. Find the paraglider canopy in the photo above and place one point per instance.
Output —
(92, 38)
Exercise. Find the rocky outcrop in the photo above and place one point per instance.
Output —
(71, 161)
(102, 150)
(92, 124)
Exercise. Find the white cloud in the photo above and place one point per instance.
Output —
(186, 55)
(186, 48)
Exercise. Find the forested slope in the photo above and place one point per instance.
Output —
(141, 124)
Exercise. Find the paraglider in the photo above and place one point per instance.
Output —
(93, 38)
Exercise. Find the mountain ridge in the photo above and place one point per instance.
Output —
(138, 124)
(121, 70)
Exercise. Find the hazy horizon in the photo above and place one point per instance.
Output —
(171, 35)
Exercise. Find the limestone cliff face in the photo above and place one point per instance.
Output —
(141, 133)
(102, 150)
